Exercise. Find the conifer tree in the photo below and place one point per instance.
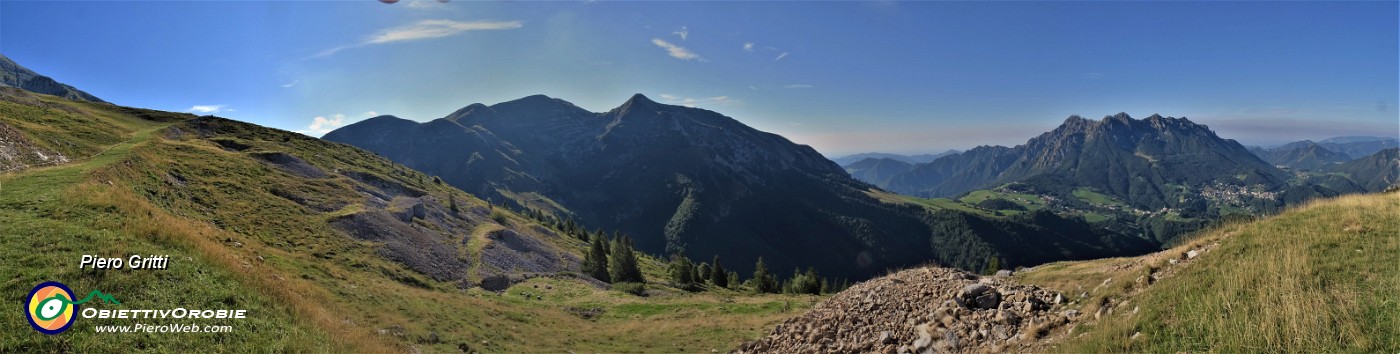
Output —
(623, 266)
(764, 282)
(718, 275)
(680, 272)
(595, 263)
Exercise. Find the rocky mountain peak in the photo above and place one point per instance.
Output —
(1121, 117)
(472, 109)
(637, 104)
(639, 99)
(14, 75)
(537, 104)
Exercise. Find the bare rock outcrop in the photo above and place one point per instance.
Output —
(922, 310)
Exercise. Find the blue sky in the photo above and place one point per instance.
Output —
(844, 77)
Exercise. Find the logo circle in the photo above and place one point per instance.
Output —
(50, 308)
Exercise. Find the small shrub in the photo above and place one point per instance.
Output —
(638, 289)
(498, 215)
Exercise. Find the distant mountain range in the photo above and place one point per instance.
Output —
(1118, 155)
(910, 159)
(877, 171)
(1157, 177)
(676, 179)
(1309, 155)
(689, 180)
(14, 75)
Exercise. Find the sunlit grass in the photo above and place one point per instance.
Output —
(1319, 278)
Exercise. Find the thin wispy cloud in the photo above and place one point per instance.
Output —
(798, 86)
(209, 109)
(426, 4)
(683, 32)
(781, 56)
(425, 29)
(748, 47)
(290, 84)
(675, 51)
(693, 102)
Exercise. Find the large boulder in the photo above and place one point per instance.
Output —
(978, 296)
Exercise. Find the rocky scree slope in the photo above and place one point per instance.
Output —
(926, 309)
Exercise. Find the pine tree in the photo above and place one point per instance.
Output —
(762, 281)
(607, 243)
(703, 270)
(452, 204)
(695, 274)
(624, 266)
(718, 276)
(803, 283)
(680, 272)
(595, 263)
(733, 279)
(993, 265)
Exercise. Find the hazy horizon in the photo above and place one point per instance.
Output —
(843, 77)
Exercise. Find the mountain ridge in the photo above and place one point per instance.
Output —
(14, 75)
(676, 178)
(694, 181)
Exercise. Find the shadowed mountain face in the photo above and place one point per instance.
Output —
(877, 171)
(1355, 147)
(1138, 160)
(1302, 155)
(674, 178)
(14, 75)
(1373, 173)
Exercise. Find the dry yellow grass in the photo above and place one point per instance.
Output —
(308, 302)
(1322, 277)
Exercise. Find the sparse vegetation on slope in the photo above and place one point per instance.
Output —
(1318, 278)
(250, 218)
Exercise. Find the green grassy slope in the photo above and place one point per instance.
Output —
(50, 216)
(1318, 278)
(152, 183)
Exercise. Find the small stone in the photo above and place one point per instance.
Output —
(925, 338)
(1003, 273)
(886, 337)
(1192, 254)
(1173, 261)
(1135, 336)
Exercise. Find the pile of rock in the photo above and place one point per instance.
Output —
(922, 310)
